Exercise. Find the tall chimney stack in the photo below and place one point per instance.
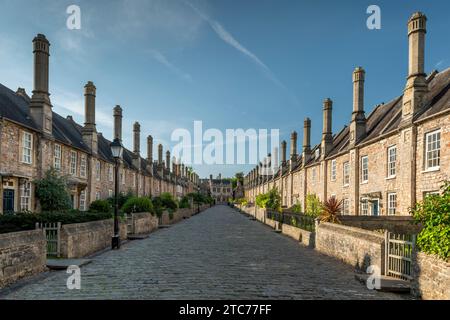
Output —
(358, 123)
(150, 150)
(89, 131)
(306, 140)
(168, 160)
(293, 145)
(416, 85)
(283, 152)
(40, 105)
(118, 123)
(327, 134)
(160, 154)
(137, 145)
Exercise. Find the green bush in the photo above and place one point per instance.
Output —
(138, 204)
(52, 192)
(27, 221)
(184, 203)
(100, 206)
(269, 200)
(433, 213)
(169, 202)
(297, 208)
(313, 206)
(122, 198)
(261, 200)
(158, 207)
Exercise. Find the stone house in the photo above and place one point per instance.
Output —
(35, 139)
(382, 163)
(221, 190)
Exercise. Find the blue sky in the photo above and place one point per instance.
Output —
(232, 64)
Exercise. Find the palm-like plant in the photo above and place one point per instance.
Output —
(331, 209)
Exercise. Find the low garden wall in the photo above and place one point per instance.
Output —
(143, 223)
(22, 254)
(394, 224)
(358, 247)
(82, 239)
(305, 237)
(431, 277)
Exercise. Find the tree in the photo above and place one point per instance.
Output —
(52, 192)
(312, 206)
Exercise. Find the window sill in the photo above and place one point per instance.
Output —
(431, 170)
(390, 177)
(346, 185)
(365, 182)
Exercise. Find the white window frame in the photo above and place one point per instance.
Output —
(134, 180)
(25, 196)
(123, 176)
(27, 147)
(73, 163)
(364, 204)
(98, 195)
(57, 156)
(98, 170)
(83, 166)
(435, 152)
(82, 206)
(110, 173)
(346, 173)
(346, 207)
(333, 170)
(364, 169)
(392, 161)
(110, 193)
(314, 175)
(392, 203)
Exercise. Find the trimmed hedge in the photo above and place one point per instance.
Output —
(138, 204)
(27, 221)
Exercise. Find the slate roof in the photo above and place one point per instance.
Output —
(15, 107)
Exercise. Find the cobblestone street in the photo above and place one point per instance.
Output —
(218, 254)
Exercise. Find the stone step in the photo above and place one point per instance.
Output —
(137, 236)
(387, 284)
(63, 264)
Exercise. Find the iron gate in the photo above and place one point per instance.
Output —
(53, 235)
(399, 252)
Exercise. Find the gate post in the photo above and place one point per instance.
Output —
(58, 237)
(386, 253)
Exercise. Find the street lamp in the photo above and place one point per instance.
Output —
(117, 150)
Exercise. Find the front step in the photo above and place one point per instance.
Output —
(387, 284)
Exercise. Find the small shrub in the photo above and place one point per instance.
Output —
(137, 204)
(313, 206)
(184, 203)
(100, 206)
(158, 207)
(433, 213)
(169, 202)
(331, 209)
(296, 208)
(122, 198)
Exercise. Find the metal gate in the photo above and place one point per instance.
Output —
(399, 252)
(52, 234)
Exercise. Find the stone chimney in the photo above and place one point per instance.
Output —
(306, 140)
(283, 152)
(294, 155)
(137, 145)
(149, 154)
(160, 154)
(416, 85)
(168, 160)
(40, 105)
(327, 134)
(117, 122)
(358, 123)
(89, 131)
(182, 174)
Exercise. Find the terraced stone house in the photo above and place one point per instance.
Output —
(381, 163)
(35, 139)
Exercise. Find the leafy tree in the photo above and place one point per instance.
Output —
(158, 207)
(52, 192)
(433, 213)
(122, 198)
(184, 202)
(261, 200)
(169, 202)
(274, 201)
(313, 206)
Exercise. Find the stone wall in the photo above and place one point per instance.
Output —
(354, 246)
(22, 254)
(143, 223)
(395, 224)
(82, 239)
(431, 277)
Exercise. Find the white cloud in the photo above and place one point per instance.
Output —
(158, 56)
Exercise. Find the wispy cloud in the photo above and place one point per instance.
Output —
(158, 56)
(437, 65)
(230, 40)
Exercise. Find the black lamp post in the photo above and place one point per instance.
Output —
(117, 150)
